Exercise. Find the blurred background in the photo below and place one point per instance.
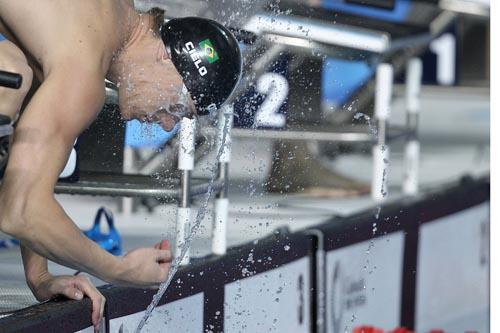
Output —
(313, 149)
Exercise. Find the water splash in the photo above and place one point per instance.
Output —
(365, 117)
(187, 244)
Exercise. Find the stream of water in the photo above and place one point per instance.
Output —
(194, 228)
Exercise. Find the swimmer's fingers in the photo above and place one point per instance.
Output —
(72, 292)
(75, 293)
(163, 245)
(75, 287)
(165, 267)
(98, 301)
(144, 267)
(163, 256)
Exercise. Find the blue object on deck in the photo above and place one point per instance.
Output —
(111, 241)
(2, 38)
(142, 135)
(8, 243)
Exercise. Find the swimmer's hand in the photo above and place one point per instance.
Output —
(146, 267)
(73, 287)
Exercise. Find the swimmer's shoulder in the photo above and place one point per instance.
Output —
(88, 29)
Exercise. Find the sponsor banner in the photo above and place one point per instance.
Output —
(363, 283)
(277, 267)
(453, 262)
(183, 315)
(274, 301)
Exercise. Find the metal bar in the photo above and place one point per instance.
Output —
(314, 30)
(98, 188)
(114, 190)
(410, 42)
(200, 189)
(320, 273)
(466, 7)
(296, 135)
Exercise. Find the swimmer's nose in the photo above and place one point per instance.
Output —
(182, 111)
(166, 121)
(168, 127)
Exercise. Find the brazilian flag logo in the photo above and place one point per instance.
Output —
(208, 48)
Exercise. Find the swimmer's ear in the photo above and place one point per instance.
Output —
(162, 53)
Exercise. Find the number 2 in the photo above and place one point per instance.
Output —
(275, 86)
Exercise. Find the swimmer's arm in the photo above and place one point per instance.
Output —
(45, 286)
(35, 266)
(64, 105)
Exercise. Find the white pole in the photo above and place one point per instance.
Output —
(186, 144)
(383, 97)
(221, 205)
(412, 157)
(128, 168)
(219, 231)
(414, 70)
(383, 91)
(412, 147)
(380, 172)
(225, 124)
(182, 232)
(186, 165)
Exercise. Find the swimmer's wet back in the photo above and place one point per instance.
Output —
(208, 58)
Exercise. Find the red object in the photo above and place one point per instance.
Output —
(402, 330)
(367, 329)
(436, 331)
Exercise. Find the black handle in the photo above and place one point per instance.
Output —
(10, 80)
(107, 214)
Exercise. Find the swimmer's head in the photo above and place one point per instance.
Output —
(150, 89)
(170, 70)
(208, 58)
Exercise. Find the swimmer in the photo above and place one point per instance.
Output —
(69, 48)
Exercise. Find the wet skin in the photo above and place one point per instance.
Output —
(72, 48)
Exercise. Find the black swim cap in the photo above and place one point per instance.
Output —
(207, 57)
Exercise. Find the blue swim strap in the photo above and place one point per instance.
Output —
(111, 241)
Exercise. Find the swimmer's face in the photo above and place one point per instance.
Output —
(151, 90)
